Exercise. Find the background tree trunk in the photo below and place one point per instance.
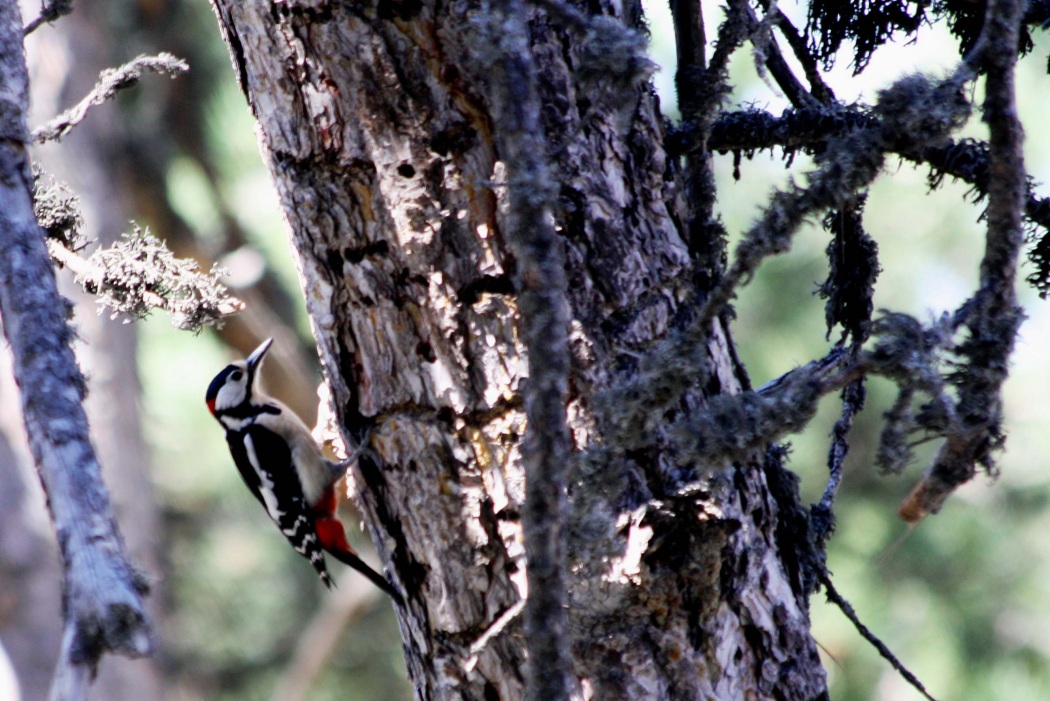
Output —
(376, 123)
(30, 625)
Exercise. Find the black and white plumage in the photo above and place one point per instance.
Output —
(284, 468)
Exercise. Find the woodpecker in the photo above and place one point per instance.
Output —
(284, 468)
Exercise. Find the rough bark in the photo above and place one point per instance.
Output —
(376, 121)
(544, 330)
(109, 352)
(102, 594)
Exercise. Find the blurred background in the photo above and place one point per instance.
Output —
(962, 600)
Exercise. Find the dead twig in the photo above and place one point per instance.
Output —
(110, 82)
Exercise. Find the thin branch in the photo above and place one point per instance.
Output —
(498, 627)
(912, 110)
(849, 289)
(733, 426)
(767, 53)
(714, 87)
(818, 88)
(822, 515)
(110, 82)
(849, 164)
(847, 610)
(967, 159)
(691, 47)
(138, 274)
(752, 129)
(50, 12)
(319, 639)
(102, 593)
(544, 329)
(993, 315)
(702, 86)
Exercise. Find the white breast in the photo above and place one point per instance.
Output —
(314, 475)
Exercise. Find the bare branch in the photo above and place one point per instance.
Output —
(50, 12)
(822, 515)
(768, 56)
(994, 316)
(110, 82)
(818, 88)
(887, 654)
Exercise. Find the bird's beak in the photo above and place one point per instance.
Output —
(256, 358)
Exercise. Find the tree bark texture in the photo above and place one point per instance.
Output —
(109, 352)
(101, 594)
(377, 123)
(528, 227)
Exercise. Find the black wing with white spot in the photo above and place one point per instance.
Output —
(265, 464)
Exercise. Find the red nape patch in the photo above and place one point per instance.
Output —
(211, 405)
(332, 536)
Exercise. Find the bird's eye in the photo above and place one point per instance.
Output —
(235, 375)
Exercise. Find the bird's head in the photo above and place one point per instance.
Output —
(233, 386)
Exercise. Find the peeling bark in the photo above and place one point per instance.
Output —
(376, 122)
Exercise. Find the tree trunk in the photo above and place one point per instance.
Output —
(109, 354)
(376, 123)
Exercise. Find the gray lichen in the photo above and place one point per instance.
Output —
(139, 273)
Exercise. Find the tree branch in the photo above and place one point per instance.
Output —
(702, 86)
(822, 516)
(139, 273)
(807, 129)
(817, 87)
(912, 116)
(110, 82)
(102, 593)
(50, 12)
(319, 638)
(914, 110)
(887, 654)
(752, 129)
(768, 56)
(993, 316)
(544, 328)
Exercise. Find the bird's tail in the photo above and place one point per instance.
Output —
(333, 539)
